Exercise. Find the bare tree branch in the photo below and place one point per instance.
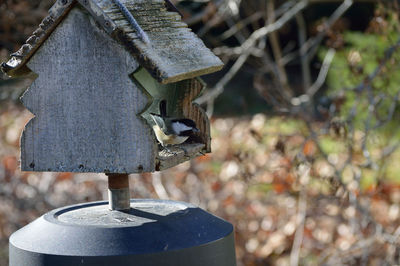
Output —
(312, 44)
(322, 74)
(276, 49)
(301, 216)
(246, 48)
(305, 62)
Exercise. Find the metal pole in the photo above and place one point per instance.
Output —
(118, 192)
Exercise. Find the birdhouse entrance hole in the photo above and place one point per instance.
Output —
(179, 97)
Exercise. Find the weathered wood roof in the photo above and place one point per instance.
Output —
(171, 53)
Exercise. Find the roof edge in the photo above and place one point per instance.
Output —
(16, 65)
(151, 66)
(192, 74)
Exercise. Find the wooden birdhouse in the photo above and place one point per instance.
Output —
(102, 67)
(108, 72)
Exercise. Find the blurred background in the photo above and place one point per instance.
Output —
(305, 128)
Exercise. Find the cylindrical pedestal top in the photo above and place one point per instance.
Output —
(152, 232)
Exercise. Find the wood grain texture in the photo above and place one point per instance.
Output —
(16, 66)
(193, 111)
(181, 153)
(85, 104)
(173, 53)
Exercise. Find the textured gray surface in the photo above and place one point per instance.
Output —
(171, 52)
(100, 215)
(16, 66)
(86, 105)
(181, 154)
(152, 232)
(174, 53)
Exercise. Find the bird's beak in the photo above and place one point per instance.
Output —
(196, 130)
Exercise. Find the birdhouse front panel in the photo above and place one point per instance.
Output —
(104, 68)
(86, 105)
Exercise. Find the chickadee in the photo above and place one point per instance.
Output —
(171, 131)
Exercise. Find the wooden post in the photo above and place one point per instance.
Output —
(118, 192)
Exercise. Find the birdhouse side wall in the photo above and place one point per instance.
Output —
(86, 106)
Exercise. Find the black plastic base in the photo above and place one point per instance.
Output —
(153, 232)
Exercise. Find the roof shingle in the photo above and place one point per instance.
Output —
(173, 52)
